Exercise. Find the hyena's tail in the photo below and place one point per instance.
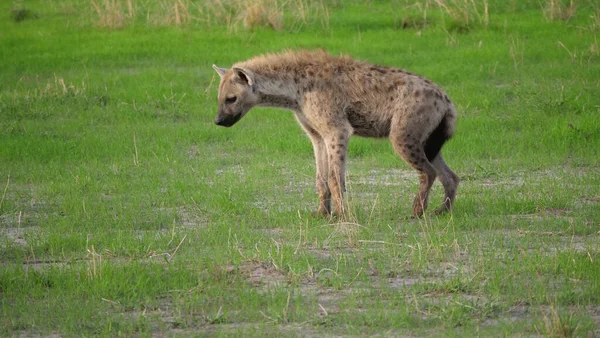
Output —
(442, 133)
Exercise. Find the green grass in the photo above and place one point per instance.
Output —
(124, 210)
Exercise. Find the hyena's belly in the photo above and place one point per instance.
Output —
(366, 123)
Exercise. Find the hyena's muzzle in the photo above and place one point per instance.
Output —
(226, 119)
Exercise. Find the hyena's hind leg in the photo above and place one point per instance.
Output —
(433, 145)
(449, 180)
(413, 153)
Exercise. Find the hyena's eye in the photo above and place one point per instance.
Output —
(230, 100)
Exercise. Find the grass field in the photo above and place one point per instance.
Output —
(125, 211)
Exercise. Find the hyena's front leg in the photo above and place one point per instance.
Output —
(320, 150)
(337, 148)
(322, 174)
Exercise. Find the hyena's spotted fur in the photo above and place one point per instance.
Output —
(334, 98)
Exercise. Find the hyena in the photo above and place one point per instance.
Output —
(334, 98)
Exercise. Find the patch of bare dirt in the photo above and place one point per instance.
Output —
(557, 211)
(591, 200)
(321, 253)
(237, 170)
(259, 274)
(40, 265)
(514, 314)
(385, 177)
(18, 235)
(189, 217)
(402, 282)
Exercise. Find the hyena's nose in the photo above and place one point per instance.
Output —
(219, 120)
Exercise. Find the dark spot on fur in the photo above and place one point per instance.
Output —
(423, 110)
(381, 70)
(417, 93)
(435, 104)
(446, 98)
(332, 146)
(341, 145)
(409, 146)
(391, 98)
(338, 152)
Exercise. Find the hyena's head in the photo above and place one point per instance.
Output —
(236, 95)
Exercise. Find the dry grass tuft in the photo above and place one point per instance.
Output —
(595, 18)
(465, 13)
(233, 14)
(113, 13)
(56, 88)
(258, 13)
(559, 9)
(175, 13)
(516, 50)
(558, 325)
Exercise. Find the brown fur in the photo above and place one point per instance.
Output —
(334, 98)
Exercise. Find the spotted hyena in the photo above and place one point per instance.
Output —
(334, 98)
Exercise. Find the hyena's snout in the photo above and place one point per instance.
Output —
(227, 120)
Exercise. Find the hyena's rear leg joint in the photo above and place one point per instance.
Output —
(449, 181)
(413, 153)
(420, 202)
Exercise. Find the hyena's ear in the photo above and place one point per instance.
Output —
(244, 74)
(220, 71)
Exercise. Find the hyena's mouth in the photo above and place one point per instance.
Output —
(226, 120)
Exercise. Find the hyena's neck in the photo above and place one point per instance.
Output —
(278, 92)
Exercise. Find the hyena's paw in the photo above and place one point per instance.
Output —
(339, 217)
(321, 213)
(444, 208)
(419, 207)
(417, 210)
